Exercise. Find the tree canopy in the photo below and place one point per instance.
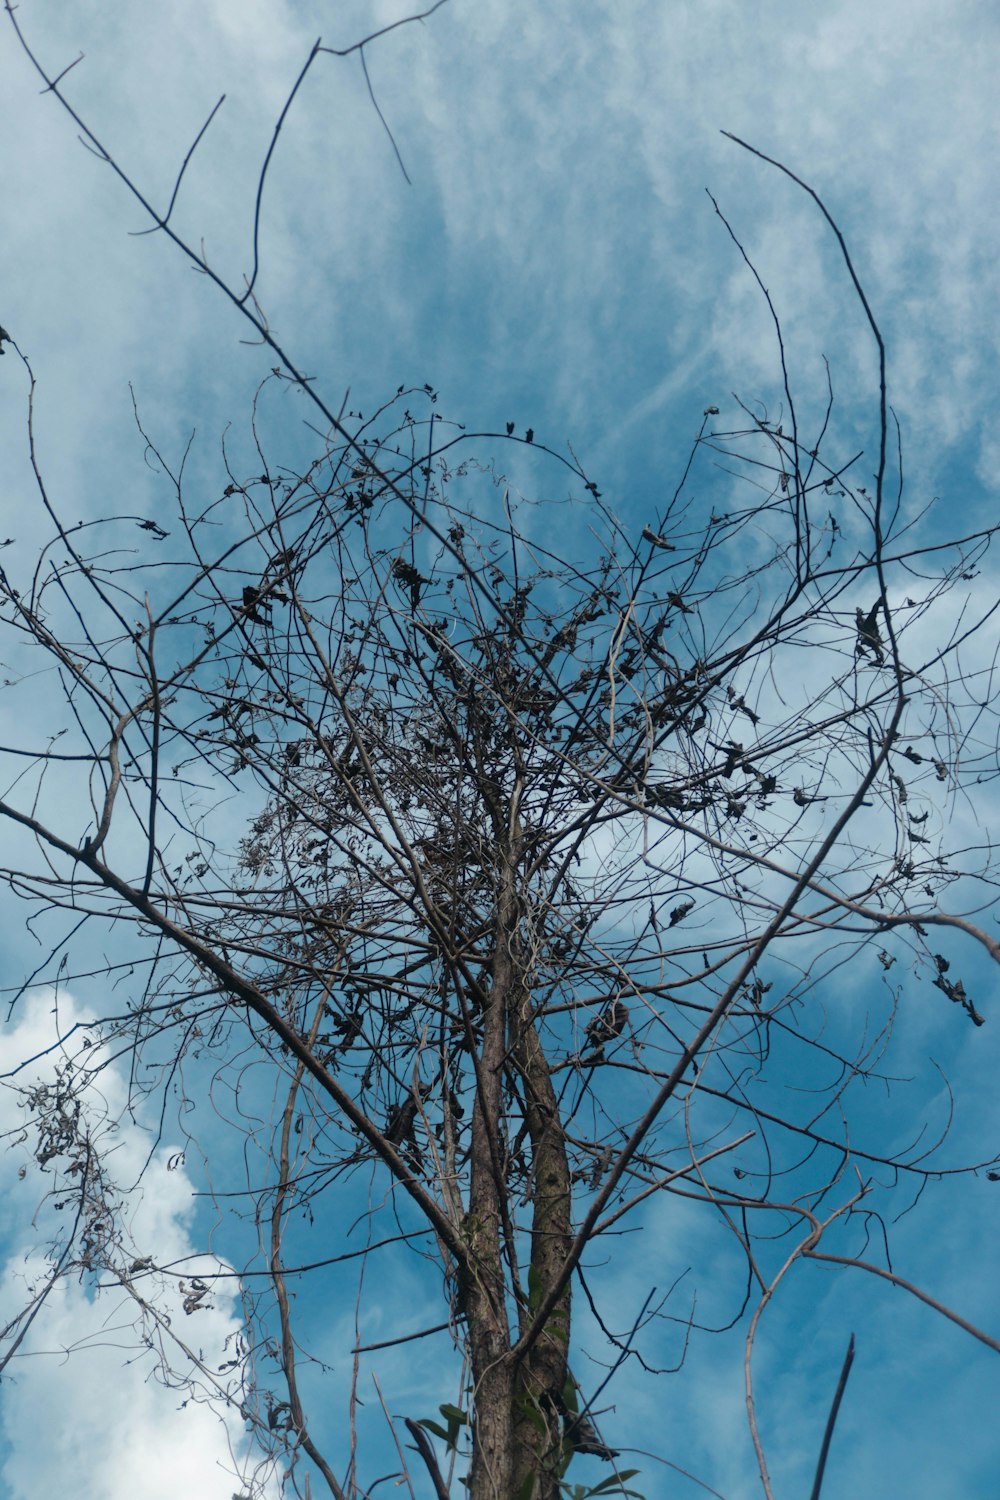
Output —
(483, 876)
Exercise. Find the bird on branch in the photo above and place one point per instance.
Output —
(655, 540)
(585, 1438)
(801, 798)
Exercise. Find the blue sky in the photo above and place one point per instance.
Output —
(554, 261)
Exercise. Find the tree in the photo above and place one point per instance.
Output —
(558, 835)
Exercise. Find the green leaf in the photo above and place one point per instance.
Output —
(534, 1416)
(527, 1488)
(534, 1287)
(614, 1484)
(434, 1427)
(453, 1413)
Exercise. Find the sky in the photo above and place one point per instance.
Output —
(554, 260)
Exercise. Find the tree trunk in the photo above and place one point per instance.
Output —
(484, 1293)
(517, 1448)
(541, 1377)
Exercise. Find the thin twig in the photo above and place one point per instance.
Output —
(831, 1420)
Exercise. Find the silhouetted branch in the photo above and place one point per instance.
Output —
(831, 1420)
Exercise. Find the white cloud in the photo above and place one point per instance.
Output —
(558, 159)
(83, 1397)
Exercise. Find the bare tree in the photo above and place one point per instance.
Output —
(558, 837)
